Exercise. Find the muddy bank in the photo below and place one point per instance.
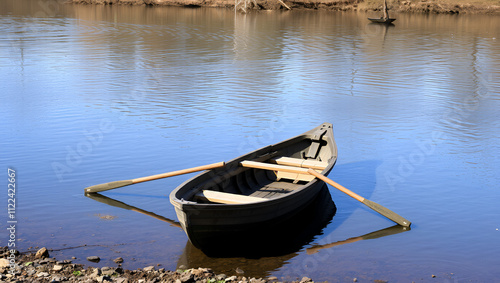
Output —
(422, 6)
(41, 267)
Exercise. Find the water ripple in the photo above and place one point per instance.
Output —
(182, 87)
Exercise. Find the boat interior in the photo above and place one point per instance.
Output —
(254, 185)
(239, 185)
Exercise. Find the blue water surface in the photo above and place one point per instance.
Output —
(92, 94)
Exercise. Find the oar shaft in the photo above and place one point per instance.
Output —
(119, 184)
(373, 205)
(336, 185)
(178, 172)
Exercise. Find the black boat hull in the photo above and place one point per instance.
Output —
(206, 223)
(381, 20)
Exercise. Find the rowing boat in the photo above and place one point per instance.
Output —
(385, 18)
(240, 197)
(382, 20)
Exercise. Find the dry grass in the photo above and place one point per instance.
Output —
(477, 2)
(410, 6)
(435, 6)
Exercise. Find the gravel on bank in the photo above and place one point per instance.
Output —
(40, 267)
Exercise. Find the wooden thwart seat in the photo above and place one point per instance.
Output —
(227, 198)
(293, 176)
(303, 163)
(297, 162)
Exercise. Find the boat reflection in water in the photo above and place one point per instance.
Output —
(267, 240)
(261, 251)
(276, 238)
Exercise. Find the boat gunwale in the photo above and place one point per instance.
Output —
(266, 151)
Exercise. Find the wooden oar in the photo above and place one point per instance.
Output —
(119, 184)
(373, 205)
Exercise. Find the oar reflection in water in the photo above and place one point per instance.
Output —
(396, 229)
(112, 202)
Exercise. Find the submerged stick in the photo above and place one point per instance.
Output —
(283, 3)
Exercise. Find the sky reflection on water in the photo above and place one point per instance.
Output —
(92, 94)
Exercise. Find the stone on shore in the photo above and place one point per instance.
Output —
(186, 277)
(94, 258)
(42, 274)
(96, 272)
(107, 271)
(239, 270)
(29, 269)
(104, 278)
(4, 262)
(42, 253)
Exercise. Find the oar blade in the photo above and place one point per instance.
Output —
(107, 186)
(387, 213)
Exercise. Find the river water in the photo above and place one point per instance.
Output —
(92, 94)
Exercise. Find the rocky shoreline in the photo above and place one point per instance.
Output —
(40, 267)
(401, 6)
